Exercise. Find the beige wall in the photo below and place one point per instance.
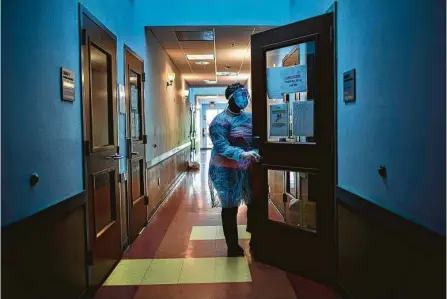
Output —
(167, 112)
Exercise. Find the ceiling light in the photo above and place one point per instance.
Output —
(202, 62)
(227, 73)
(171, 78)
(210, 81)
(200, 57)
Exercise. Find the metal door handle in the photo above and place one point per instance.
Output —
(115, 157)
(134, 153)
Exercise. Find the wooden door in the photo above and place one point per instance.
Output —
(294, 117)
(136, 142)
(101, 153)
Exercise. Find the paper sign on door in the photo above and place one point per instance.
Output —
(285, 80)
(278, 120)
(303, 118)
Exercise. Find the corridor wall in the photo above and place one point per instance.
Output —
(167, 123)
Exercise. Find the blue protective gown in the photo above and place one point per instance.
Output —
(228, 173)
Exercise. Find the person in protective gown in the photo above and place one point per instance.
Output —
(231, 157)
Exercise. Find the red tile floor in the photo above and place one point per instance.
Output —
(166, 239)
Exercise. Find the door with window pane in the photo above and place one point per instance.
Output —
(101, 154)
(136, 142)
(294, 117)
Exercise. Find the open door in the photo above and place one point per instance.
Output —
(136, 143)
(294, 117)
(101, 153)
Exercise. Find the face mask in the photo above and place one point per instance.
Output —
(240, 97)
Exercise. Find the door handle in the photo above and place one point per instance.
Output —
(134, 153)
(115, 157)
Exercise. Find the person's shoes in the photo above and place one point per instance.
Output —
(235, 252)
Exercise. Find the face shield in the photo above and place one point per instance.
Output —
(240, 97)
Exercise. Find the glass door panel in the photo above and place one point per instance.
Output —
(290, 102)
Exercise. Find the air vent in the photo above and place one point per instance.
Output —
(195, 36)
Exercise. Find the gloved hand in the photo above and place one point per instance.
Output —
(251, 155)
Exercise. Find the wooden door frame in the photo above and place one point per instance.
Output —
(82, 10)
(328, 169)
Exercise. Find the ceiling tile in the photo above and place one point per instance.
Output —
(170, 45)
(197, 45)
(164, 35)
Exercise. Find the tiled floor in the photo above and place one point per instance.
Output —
(182, 255)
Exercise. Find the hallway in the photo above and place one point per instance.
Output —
(182, 254)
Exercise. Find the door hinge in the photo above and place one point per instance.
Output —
(143, 77)
(86, 148)
(331, 33)
(83, 37)
(144, 139)
(89, 258)
(146, 201)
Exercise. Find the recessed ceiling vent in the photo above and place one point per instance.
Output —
(195, 36)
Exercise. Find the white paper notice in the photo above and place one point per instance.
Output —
(303, 118)
(278, 120)
(285, 80)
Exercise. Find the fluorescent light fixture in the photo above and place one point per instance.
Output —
(202, 62)
(227, 73)
(200, 57)
(210, 81)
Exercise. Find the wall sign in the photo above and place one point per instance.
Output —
(349, 86)
(67, 85)
(285, 80)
